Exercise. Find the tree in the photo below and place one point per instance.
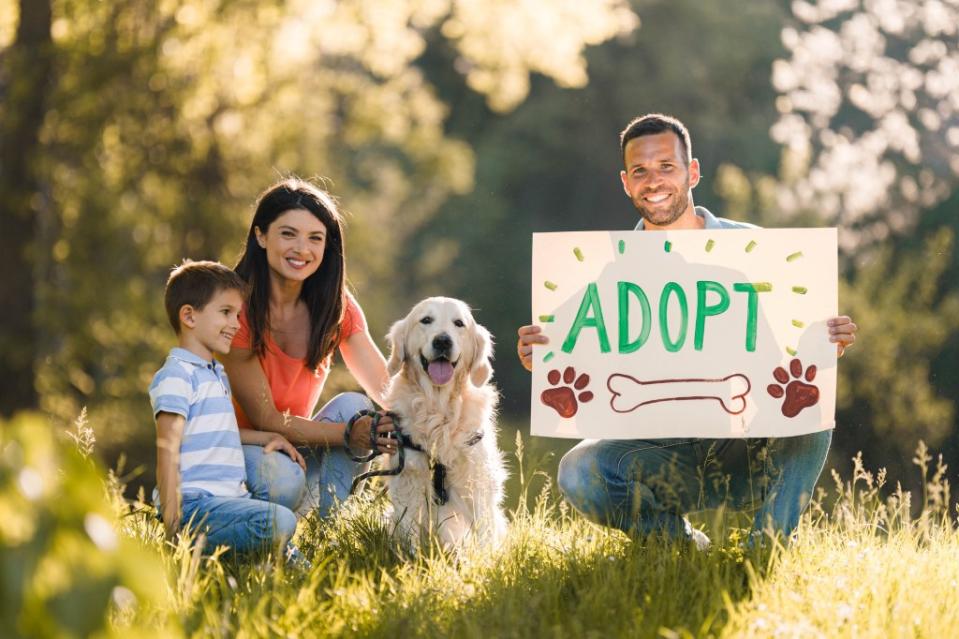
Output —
(164, 120)
(869, 112)
(553, 163)
(869, 123)
(26, 69)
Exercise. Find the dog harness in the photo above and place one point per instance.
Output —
(404, 441)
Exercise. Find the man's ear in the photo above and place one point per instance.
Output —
(480, 368)
(186, 315)
(694, 173)
(397, 339)
(625, 181)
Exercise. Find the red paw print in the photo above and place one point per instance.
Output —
(799, 394)
(563, 399)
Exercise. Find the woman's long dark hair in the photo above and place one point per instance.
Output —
(322, 292)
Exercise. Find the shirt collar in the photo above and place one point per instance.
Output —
(701, 211)
(184, 355)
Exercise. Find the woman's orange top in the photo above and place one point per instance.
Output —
(294, 387)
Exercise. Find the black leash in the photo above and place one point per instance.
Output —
(403, 441)
(401, 454)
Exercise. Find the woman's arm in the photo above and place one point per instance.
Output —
(252, 391)
(367, 365)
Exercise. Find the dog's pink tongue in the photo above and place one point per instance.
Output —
(440, 372)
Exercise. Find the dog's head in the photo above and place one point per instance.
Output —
(440, 340)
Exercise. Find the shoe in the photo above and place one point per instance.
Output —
(296, 559)
(699, 538)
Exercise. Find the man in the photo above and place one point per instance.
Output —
(646, 486)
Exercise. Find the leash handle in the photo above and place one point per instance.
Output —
(400, 452)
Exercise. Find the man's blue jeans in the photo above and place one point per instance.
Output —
(329, 473)
(246, 525)
(644, 486)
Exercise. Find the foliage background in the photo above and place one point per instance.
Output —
(138, 133)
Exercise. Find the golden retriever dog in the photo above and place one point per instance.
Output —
(452, 482)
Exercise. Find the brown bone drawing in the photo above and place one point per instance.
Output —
(630, 393)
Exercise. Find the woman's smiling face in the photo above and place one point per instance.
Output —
(294, 244)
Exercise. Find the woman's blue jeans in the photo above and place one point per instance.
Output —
(329, 472)
(645, 486)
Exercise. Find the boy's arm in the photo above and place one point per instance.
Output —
(270, 442)
(169, 437)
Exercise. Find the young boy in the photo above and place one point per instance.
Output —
(200, 469)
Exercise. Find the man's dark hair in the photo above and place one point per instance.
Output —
(195, 283)
(652, 124)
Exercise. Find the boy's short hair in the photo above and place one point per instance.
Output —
(195, 283)
(652, 124)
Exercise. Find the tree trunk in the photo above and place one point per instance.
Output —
(26, 83)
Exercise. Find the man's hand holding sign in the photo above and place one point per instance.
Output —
(708, 349)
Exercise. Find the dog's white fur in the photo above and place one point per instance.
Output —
(443, 420)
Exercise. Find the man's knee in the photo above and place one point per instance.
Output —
(579, 479)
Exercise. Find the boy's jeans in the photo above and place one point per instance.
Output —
(329, 471)
(644, 486)
(246, 525)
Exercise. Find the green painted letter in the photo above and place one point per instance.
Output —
(583, 320)
(625, 346)
(752, 315)
(703, 310)
(673, 287)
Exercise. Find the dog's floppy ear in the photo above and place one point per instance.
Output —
(481, 369)
(397, 340)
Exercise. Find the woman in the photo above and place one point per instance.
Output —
(297, 313)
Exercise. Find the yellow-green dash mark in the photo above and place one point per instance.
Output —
(578, 253)
(789, 349)
(802, 290)
(798, 324)
(709, 245)
(668, 246)
(622, 246)
(546, 319)
(750, 246)
(792, 257)
(550, 285)
(762, 287)
(548, 356)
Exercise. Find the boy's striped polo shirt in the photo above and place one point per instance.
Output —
(211, 456)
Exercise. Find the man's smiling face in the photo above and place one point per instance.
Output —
(658, 179)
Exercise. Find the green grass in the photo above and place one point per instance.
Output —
(867, 562)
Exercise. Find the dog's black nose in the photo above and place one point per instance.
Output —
(442, 344)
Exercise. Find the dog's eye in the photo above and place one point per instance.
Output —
(426, 320)
(458, 323)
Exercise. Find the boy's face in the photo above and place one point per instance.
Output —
(215, 325)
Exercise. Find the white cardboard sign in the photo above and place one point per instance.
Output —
(712, 333)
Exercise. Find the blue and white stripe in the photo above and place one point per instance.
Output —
(211, 456)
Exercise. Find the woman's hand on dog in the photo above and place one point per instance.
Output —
(360, 435)
(529, 335)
